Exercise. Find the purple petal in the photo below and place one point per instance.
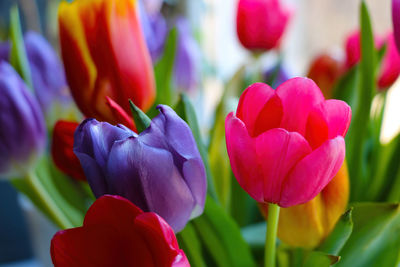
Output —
(148, 177)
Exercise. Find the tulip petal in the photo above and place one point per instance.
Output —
(92, 144)
(132, 174)
(251, 103)
(109, 210)
(100, 245)
(242, 155)
(313, 173)
(277, 152)
(120, 115)
(328, 120)
(163, 245)
(299, 96)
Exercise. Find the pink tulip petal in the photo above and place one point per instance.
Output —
(252, 102)
(326, 121)
(242, 155)
(269, 117)
(277, 152)
(313, 173)
(299, 96)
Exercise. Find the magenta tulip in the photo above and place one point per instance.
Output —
(286, 145)
(390, 65)
(261, 23)
(396, 21)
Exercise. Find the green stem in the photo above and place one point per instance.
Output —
(272, 227)
(45, 198)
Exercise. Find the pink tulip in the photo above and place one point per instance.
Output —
(396, 21)
(286, 145)
(261, 23)
(390, 65)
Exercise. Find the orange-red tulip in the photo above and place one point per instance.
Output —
(105, 54)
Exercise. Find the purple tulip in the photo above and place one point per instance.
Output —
(22, 131)
(155, 30)
(159, 170)
(275, 76)
(186, 69)
(396, 21)
(47, 71)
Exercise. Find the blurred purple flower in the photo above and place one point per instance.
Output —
(46, 70)
(159, 170)
(154, 28)
(275, 76)
(186, 69)
(22, 131)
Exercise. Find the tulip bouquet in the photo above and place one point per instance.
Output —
(107, 144)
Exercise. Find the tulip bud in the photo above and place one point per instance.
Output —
(117, 233)
(62, 150)
(186, 67)
(396, 21)
(154, 29)
(22, 131)
(48, 75)
(307, 225)
(285, 145)
(105, 54)
(261, 23)
(390, 66)
(325, 71)
(159, 170)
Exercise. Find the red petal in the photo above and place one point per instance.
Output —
(62, 150)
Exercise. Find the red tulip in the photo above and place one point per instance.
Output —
(325, 71)
(390, 66)
(117, 233)
(105, 54)
(285, 145)
(61, 149)
(261, 23)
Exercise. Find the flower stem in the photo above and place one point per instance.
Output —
(272, 227)
(48, 203)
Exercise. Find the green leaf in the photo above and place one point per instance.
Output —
(164, 70)
(320, 259)
(218, 156)
(185, 110)
(346, 88)
(339, 236)
(359, 126)
(222, 237)
(189, 242)
(375, 236)
(18, 58)
(66, 195)
(142, 122)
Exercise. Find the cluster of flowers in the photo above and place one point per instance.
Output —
(286, 145)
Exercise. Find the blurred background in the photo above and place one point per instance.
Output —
(317, 26)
